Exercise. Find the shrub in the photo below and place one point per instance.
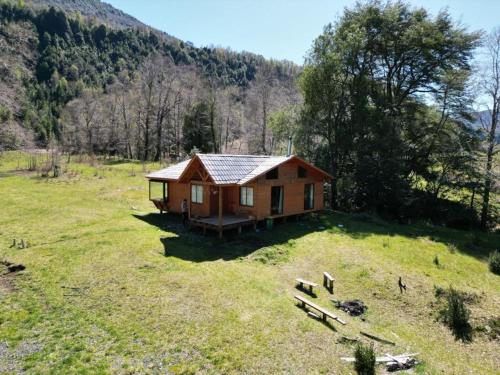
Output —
(364, 360)
(456, 315)
(494, 262)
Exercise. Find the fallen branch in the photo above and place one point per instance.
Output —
(373, 337)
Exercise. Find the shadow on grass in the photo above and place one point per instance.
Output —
(474, 243)
(306, 291)
(316, 317)
(193, 246)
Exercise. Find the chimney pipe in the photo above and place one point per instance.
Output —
(289, 151)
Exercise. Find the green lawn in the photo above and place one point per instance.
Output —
(99, 296)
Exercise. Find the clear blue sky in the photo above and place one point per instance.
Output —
(280, 29)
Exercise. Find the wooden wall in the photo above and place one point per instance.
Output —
(293, 190)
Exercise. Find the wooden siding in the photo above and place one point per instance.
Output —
(176, 193)
(293, 191)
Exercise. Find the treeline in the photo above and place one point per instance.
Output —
(387, 108)
(77, 56)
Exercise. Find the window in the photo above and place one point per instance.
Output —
(246, 196)
(197, 193)
(272, 174)
(158, 190)
(308, 196)
(301, 172)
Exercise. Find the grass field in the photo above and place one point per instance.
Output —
(99, 295)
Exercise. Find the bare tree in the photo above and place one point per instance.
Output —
(491, 88)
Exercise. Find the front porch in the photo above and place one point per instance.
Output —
(227, 221)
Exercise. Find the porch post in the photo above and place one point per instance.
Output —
(220, 212)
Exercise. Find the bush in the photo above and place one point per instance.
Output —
(456, 315)
(364, 360)
(494, 262)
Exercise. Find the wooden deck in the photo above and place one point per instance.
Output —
(228, 222)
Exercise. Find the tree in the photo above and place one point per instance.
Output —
(490, 87)
(366, 84)
(196, 129)
(325, 86)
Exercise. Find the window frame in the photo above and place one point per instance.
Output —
(245, 195)
(309, 199)
(164, 190)
(195, 196)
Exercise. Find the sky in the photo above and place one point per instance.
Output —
(278, 29)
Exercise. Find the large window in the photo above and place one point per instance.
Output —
(246, 196)
(308, 196)
(158, 190)
(272, 174)
(197, 193)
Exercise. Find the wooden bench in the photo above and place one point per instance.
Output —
(328, 281)
(325, 313)
(310, 284)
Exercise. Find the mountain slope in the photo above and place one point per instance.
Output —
(67, 56)
(93, 9)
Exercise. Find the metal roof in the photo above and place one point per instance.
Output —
(171, 173)
(232, 169)
(227, 169)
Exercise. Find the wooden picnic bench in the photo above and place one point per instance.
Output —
(328, 281)
(326, 313)
(303, 282)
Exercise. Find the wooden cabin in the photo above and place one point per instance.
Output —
(231, 191)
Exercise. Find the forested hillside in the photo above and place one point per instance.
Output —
(385, 101)
(73, 62)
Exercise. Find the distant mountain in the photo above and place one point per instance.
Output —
(93, 9)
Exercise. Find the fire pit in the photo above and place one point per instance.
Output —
(354, 307)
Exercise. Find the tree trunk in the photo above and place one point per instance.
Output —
(489, 163)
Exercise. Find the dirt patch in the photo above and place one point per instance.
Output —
(8, 272)
(6, 283)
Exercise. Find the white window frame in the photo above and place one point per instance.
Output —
(197, 194)
(246, 196)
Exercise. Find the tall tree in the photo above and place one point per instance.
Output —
(378, 66)
(491, 87)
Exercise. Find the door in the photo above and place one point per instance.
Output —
(214, 201)
(276, 200)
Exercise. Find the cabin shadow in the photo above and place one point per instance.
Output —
(193, 246)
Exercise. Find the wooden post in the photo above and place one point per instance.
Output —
(220, 212)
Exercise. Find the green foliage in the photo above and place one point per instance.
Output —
(5, 113)
(364, 108)
(455, 315)
(494, 262)
(364, 360)
(197, 129)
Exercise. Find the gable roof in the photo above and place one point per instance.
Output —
(229, 169)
